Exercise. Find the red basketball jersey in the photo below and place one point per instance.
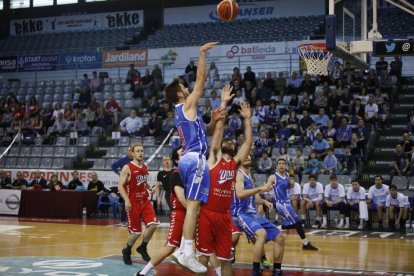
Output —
(222, 181)
(175, 180)
(136, 187)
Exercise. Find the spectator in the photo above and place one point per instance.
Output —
(294, 83)
(371, 112)
(262, 144)
(214, 101)
(190, 72)
(407, 143)
(377, 195)
(265, 164)
(357, 150)
(19, 183)
(85, 84)
(38, 182)
(371, 82)
(347, 163)
(114, 109)
(164, 110)
(69, 113)
(75, 182)
(213, 73)
(329, 132)
(206, 111)
(298, 164)
(61, 127)
(236, 124)
(346, 101)
(104, 121)
(305, 103)
(400, 162)
(410, 121)
(5, 181)
(283, 132)
(238, 100)
(280, 85)
(90, 116)
(94, 104)
(132, 124)
(250, 93)
(320, 145)
(153, 105)
(357, 82)
(81, 126)
(96, 185)
(236, 76)
(168, 123)
(273, 114)
(84, 100)
(357, 110)
(136, 86)
(33, 107)
(46, 116)
(378, 98)
(131, 73)
(330, 163)
(54, 183)
(308, 85)
(338, 71)
(269, 82)
(58, 109)
(293, 103)
(154, 126)
(249, 76)
(343, 133)
(320, 101)
(312, 166)
(333, 102)
(293, 123)
(321, 119)
(305, 122)
(311, 133)
(312, 195)
(157, 77)
(396, 68)
(387, 85)
(384, 116)
(397, 206)
(96, 83)
(381, 66)
(148, 82)
(259, 112)
(334, 200)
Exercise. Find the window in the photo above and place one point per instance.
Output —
(18, 4)
(41, 3)
(62, 2)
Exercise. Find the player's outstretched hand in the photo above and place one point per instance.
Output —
(208, 46)
(226, 94)
(268, 204)
(218, 114)
(245, 110)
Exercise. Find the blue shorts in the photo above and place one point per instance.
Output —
(374, 206)
(194, 173)
(250, 223)
(285, 209)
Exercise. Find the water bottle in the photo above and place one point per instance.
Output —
(84, 213)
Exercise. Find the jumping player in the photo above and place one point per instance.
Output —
(281, 186)
(214, 233)
(192, 166)
(133, 187)
(255, 226)
(177, 215)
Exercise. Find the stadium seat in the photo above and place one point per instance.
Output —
(36, 151)
(112, 152)
(109, 163)
(10, 162)
(61, 141)
(47, 151)
(46, 162)
(24, 151)
(324, 179)
(21, 162)
(34, 163)
(58, 163)
(14, 151)
(59, 152)
(84, 141)
(343, 179)
(400, 182)
(124, 141)
(305, 179)
(99, 164)
(71, 151)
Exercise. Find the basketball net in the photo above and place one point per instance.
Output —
(316, 58)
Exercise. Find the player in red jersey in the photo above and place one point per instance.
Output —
(177, 216)
(214, 233)
(133, 187)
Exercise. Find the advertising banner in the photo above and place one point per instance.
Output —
(8, 64)
(37, 63)
(249, 10)
(83, 60)
(9, 202)
(124, 58)
(121, 19)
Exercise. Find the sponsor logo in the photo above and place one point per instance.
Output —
(124, 58)
(124, 19)
(28, 26)
(406, 47)
(169, 58)
(249, 11)
(225, 175)
(254, 50)
(8, 63)
(141, 179)
(390, 47)
(80, 59)
(13, 202)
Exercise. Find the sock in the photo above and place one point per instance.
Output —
(277, 266)
(341, 221)
(256, 266)
(305, 241)
(277, 217)
(299, 229)
(361, 221)
(144, 245)
(188, 247)
(218, 271)
(303, 217)
(347, 220)
(318, 219)
(128, 247)
(182, 244)
(147, 269)
(325, 221)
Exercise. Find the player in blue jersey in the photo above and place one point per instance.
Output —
(281, 186)
(254, 225)
(193, 167)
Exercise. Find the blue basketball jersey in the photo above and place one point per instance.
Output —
(281, 187)
(192, 133)
(247, 205)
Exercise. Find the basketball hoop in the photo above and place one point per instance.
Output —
(316, 57)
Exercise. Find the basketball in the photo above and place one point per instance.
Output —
(227, 10)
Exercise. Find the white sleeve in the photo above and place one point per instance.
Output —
(296, 189)
(319, 188)
(401, 200)
(349, 193)
(362, 193)
(327, 190)
(341, 190)
(305, 189)
(371, 193)
(387, 201)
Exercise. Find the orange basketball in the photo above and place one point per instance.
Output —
(227, 10)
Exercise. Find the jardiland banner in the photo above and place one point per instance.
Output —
(124, 58)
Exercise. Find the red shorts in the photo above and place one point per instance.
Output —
(214, 234)
(142, 210)
(176, 228)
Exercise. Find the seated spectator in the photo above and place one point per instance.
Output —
(6, 117)
(311, 134)
(346, 101)
(320, 145)
(190, 72)
(284, 131)
(131, 125)
(96, 83)
(376, 202)
(33, 107)
(38, 183)
(75, 182)
(312, 165)
(357, 147)
(400, 162)
(320, 101)
(46, 116)
(154, 126)
(61, 127)
(206, 111)
(157, 77)
(84, 100)
(235, 124)
(371, 112)
(305, 122)
(96, 185)
(265, 164)
(293, 103)
(339, 86)
(343, 133)
(293, 123)
(298, 164)
(329, 132)
(273, 114)
(90, 116)
(250, 93)
(312, 195)
(410, 121)
(214, 101)
(81, 126)
(280, 85)
(19, 183)
(338, 71)
(114, 110)
(397, 206)
(104, 121)
(378, 98)
(153, 105)
(237, 100)
(347, 163)
(308, 85)
(357, 82)
(236, 76)
(164, 110)
(57, 110)
(54, 183)
(334, 200)
(381, 66)
(94, 104)
(5, 181)
(322, 119)
(357, 110)
(259, 111)
(269, 82)
(305, 103)
(69, 113)
(330, 163)
(354, 196)
(407, 143)
(396, 68)
(168, 123)
(249, 76)
(262, 144)
(293, 85)
(85, 84)
(212, 73)
(131, 73)
(148, 82)
(384, 116)
(334, 102)
(387, 85)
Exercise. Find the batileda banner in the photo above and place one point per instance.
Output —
(94, 21)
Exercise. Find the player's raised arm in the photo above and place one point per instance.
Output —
(123, 178)
(192, 100)
(225, 98)
(248, 133)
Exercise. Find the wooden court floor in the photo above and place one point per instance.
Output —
(102, 238)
